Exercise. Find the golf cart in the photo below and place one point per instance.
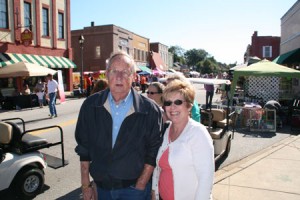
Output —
(218, 119)
(21, 163)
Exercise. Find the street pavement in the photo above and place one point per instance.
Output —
(272, 173)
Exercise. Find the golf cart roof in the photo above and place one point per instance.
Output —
(209, 81)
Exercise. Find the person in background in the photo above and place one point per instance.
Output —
(195, 112)
(143, 81)
(52, 90)
(155, 91)
(100, 85)
(40, 92)
(89, 84)
(118, 136)
(185, 161)
(209, 93)
(26, 90)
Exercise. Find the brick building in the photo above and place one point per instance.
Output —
(101, 41)
(36, 31)
(263, 47)
(164, 57)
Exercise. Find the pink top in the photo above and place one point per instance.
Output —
(166, 183)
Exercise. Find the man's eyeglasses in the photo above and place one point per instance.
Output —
(153, 93)
(124, 73)
(177, 102)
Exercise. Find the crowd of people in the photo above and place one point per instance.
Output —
(133, 146)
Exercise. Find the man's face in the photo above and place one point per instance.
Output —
(120, 75)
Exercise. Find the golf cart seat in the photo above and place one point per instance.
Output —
(216, 133)
(15, 141)
(216, 116)
(5, 135)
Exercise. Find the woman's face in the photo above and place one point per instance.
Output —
(153, 94)
(176, 108)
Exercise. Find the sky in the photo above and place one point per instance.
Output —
(223, 28)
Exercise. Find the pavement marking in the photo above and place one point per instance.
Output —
(63, 124)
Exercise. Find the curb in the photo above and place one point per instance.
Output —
(238, 166)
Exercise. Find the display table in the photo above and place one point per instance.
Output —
(256, 118)
(248, 112)
(22, 101)
(265, 123)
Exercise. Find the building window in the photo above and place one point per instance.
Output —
(267, 51)
(143, 55)
(138, 55)
(97, 52)
(27, 15)
(120, 48)
(3, 14)
(134, 53)
(45, 22)
(60, 25)
(127, 49)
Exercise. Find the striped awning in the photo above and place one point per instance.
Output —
(7, 59)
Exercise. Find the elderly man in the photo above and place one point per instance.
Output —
(118, 135)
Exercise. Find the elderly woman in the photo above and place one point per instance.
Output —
(195, 112)
(185, 161)
(155, 91)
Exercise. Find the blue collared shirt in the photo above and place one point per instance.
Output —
(118, 113)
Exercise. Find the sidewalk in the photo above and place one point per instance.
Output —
(271, 174)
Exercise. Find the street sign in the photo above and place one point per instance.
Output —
(26, 37)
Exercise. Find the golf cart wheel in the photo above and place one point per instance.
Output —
(29, 183)
(228, 147)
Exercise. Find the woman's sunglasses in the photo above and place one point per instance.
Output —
(153, 93)
(177, 102)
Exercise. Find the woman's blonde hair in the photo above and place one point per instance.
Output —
(182, 87)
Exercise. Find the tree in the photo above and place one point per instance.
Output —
(195, 56)
(178, 53)
(207, 66)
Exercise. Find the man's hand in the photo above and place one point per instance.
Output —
(144, 177)
(88, 194)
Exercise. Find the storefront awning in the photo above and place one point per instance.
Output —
(46, 61)
(289, 57)
(145, 69)
(157, 61)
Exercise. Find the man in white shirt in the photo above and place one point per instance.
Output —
(52, 90)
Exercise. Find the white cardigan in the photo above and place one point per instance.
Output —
(191, 157)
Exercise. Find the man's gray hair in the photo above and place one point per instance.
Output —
(117, 54)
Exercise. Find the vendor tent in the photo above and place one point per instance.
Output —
(24, 69)
(144, 69)
(263, 68)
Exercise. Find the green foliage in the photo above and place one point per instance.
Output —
(178, 53)
(204, 62)
(194, 56)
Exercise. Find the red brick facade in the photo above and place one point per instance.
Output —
(258, 42)
(12, 43)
